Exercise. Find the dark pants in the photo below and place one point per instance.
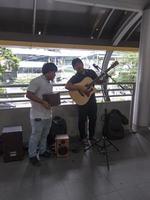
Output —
(85, 113)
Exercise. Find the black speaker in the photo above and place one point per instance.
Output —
(12, 142)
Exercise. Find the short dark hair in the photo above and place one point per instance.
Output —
(49, 67)
(75, 61)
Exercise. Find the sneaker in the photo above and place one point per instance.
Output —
(85, 142)
(92, 140)
(46, 154)
(34, 161)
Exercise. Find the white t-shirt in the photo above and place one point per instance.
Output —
(39, 86)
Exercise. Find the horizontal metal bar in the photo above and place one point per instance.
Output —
(19, 97)
(57, 85)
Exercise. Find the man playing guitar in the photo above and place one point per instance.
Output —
(83, 93)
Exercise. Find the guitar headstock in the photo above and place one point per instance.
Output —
(114, 64)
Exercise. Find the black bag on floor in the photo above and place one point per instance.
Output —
(115, 122)
(58, 127)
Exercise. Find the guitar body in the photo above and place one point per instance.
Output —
(79, 97)
(82, 98)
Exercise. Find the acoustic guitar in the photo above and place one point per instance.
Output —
(82, 98)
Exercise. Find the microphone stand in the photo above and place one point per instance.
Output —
(103, 142)
(107, 75)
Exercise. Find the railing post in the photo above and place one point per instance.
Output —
(131, 110)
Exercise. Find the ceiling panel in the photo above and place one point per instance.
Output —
(91, 22)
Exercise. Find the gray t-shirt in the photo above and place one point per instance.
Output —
(39, 86)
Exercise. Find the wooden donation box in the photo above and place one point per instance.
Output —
(12, 143)
(62, 145)
(52, 98)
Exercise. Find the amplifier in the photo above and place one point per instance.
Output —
(12, 143)
(52, 98)
(62, 145)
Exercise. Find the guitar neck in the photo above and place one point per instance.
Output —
(103, 73)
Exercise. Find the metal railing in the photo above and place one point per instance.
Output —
(14, 95)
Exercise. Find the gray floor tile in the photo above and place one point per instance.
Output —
(110, 196)
(83, 175)
(133, 193)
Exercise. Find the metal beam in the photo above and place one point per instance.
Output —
(133, 29)
(31, 42)
(134, 5)
(104, 67)
(105, 23)
(34, 16)
(134, 17)
(96, 24)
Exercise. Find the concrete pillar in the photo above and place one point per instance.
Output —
(141, 109)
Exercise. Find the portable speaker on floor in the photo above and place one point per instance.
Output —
(12, 143)
(62, 145)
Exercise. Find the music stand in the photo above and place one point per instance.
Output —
(102, 143)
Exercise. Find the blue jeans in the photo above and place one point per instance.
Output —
(38, 138)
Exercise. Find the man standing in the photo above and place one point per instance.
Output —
(40, 112)
(88, 110)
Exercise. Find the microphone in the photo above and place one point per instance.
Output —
(103, 72)
(96, 67)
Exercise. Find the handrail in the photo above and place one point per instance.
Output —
(19, 96)
(60, 84)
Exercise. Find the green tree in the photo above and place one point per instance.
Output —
(8, 62)
(127, 70)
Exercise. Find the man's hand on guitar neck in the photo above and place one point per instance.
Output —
(101, 81)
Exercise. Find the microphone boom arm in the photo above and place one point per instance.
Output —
(107, 75)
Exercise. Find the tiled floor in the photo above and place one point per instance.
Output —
(83, 176)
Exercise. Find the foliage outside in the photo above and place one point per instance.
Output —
(126, 72)
(8, 62)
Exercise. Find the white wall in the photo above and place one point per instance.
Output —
(20, 116)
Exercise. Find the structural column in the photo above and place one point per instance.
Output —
(141, 108)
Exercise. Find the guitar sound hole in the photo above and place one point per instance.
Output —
(81, 93)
